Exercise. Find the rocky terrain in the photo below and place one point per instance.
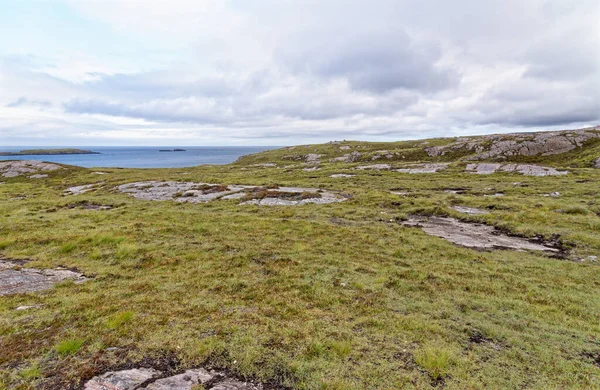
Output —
(581, 148)
(26, 167)
(503, 146)
(444, 263)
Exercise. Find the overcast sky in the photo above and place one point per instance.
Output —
(276, 72)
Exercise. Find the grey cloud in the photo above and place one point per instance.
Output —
(377, 62)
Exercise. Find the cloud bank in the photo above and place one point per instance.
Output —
(275, 73)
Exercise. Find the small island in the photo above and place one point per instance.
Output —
(171, 150)
(47, 152)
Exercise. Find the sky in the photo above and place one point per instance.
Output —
(279, 72)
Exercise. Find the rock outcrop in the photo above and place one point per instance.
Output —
(203, 192)
(22, 167)
(524, 169)
(502, 146)
(151, 379)
(474, 235)
(423, 168)
(14, 279)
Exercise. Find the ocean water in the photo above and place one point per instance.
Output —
(142, 157)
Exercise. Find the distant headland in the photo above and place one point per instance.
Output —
(47, 152)
(171, 150)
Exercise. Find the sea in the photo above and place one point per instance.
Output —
(141, 157)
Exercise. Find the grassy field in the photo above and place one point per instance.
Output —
(336, 296)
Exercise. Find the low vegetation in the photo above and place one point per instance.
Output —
(335, 296)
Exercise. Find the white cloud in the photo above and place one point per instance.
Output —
(285, 72)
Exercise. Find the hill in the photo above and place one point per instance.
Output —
(568, 148)
(460, 263)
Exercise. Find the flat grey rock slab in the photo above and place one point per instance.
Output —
(232, 384)
(37, 176)
(524, 169)
(15, 279)
(341, 175)
(22, 167)
(122, 380)
(423, 168)
(376, 167)
(78, 190)
(194, 193)
(151, 379)
(469, 210)
(473, 235)
(183, 381)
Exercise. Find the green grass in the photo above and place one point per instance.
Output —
(435, 360)
(68, 347)
(338, 296)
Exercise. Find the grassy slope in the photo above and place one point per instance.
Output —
(333, 296)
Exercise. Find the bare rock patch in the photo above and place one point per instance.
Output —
(23, 167)
(474, 235)
(151, 379)
(203, 192)
(341, 175)
(347, 158)
(524, 169)
(469, 210)
(78, 190)
(423, 168)
(14, 279)
(376, 167)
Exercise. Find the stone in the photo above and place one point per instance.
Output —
(78, 190)
(37, 176)
(524, 169)
(347, 158)
(341, 175)
(20, 167)
(202, 192)
(233, 384)
(473, 235)
(376, 167)
(15, 279)
(313, 158)
(122, 380)
(183, 381)
(597, 163)
(469, 210)
(423, 168)
(312, 169)
(27, 307)
(265, 165)
(500, 146)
